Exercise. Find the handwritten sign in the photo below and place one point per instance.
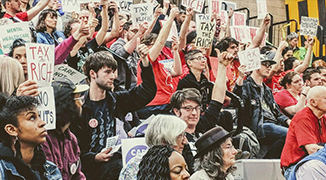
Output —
(240, 33)
(250, 58)
(197, 5)
(205, 30)
(132, 147)
(261, 9)
(308, 26)
(214, 6)
(253, 31)
(125, 5)
(239, 19)
(11, 32)
(70, 5)
(64, 71)
(40, 63)
(47, 107)
(141, 13)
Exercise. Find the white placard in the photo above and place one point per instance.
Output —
(47, 107)
(253, 31)
(261, 9)
(197, 5)
(308, 26)
(141, 128)
(40, 63)
(141, 13)
(125, 5)
(205, 30)
(214, 6)
(224, 16)
(239, 19)
(11, 32)
(240, 33)
(173, 30)
(64, 71)
(250, 58)
(132, 147)
(71, 5)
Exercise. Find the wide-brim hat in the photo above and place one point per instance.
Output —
(264, 58)
(210, 140)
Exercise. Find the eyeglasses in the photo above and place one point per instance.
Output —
(190, 108)
(266, 64)
(200, 58)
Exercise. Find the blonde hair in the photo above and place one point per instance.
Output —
(11, 74)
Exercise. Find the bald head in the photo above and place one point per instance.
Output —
(316, 92)
(316, 99)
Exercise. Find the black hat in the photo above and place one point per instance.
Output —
(63, 88)
(210, 139)
(264, 58)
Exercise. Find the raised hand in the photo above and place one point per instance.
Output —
(225, 58)
(28, 88)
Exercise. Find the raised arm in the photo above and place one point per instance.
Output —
(163, 35)
(306, 61)
(157, 13)
(115, 24)
(131, 45)
(219, 88)
(277, 59)
(101, 33)
(184, 28)
(37, 8)
(261, 32)
(176, 67)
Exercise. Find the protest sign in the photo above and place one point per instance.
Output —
(47, 107)
(125, 5)
(64, 71)
(70, 5)
(173, 30)
(205, 30)
(261, 9)
(141, 128)
(11, 32)
(141, 13)
(253, 31)
(250, 58)
(214, 6)
(197, 5)
(40, 63)
(224, 16)
(308, 26)
(132, 147)
(240, 33)
(230, 5)
(239, 19)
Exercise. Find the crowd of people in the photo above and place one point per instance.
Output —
(128, 80)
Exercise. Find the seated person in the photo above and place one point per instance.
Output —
(306, 131)
(292, 99)
(311, 77)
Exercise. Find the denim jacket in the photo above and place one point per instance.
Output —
(55, 38)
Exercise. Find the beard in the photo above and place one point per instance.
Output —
(103, 86)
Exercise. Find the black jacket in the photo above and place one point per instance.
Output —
(119, 104)
(250, 94)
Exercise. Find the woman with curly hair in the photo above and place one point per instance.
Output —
(162, 163)
(216, 154)
(46, 28)
(22, 131)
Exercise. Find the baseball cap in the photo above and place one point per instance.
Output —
(264, 58)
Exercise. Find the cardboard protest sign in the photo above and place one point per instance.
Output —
(47, 107)
(253, 31)
(132, 147)
(261, 9)
(125, 5)
(173, 30)
(239, 19)
(197, 5)
(71, 5)
(205, 30)
(229, 5)
(11, 32)
(250, 58)
(240, 33)
(141, 13)
(64, 71)
(308, 26)
(214, 6)
(40, 63)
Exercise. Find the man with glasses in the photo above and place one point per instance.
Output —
(186, 104)
(263, 116)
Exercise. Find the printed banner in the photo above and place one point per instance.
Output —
(205, 30)
(261, 9)
(253, 32)
(47, 107)
(250, 58)
(240, 33)
(224, 16)
(239, 19)
(11, 32)
(64, 71)
(197, 5)
(40, 63)
(214, 6)
(308, 26)
(132, 147)
(141, 13)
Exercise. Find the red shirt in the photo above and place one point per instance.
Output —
(232, 74)
(22, 16)
(304, 129)
(274, 83)
(285, 99)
